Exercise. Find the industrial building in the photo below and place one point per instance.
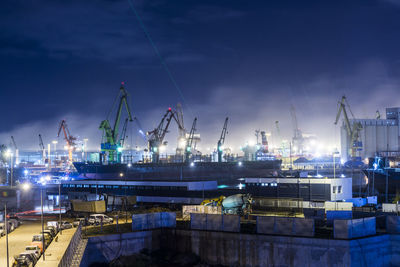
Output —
(375, 136)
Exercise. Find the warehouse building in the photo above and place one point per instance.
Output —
(378, 136)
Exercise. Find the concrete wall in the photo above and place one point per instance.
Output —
(235, 249)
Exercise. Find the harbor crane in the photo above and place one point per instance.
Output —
(189, 143)
(16, 150)
(41, 145)
(297, 134)
(180, 150)
(68, 138)
(221, 140)
(111, 143)
(353, 131)
(156, 137)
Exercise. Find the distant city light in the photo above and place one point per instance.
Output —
(240, 163)
(192, 164)
(26, 186)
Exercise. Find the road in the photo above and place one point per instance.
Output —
(18, 240)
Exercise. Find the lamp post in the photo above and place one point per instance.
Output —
(6, 228)
(55, 149)
(59, 204)
(42, 221)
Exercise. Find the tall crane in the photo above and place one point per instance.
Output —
(353, 131)
(123, 133)
(110, 141)
(68, 138)
(221, 140)
(189, 143)
(156, 137)
(297, 134)
(16, 150)
(41, 145)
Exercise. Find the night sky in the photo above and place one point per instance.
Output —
(249, 60)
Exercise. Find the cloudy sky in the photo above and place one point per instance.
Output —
(249, 60)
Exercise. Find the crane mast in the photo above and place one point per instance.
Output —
(221, 140)
(297, 134)
(111, 143)
(68, 138)
(189, 143)
(353, 131)
(16, 150)
(41, 145)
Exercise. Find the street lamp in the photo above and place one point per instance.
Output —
(55, 149)
(41, 219)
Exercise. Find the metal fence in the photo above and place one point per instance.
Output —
(66, 260)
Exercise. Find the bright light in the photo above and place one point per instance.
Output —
(162, 148)
(26, 186)
(182, 143)
(192, 164)
(240, 186)
(55, 142)
(240, 163)
(342, 175)
(252, 143)
(129, 165)
(48, 178)
(121, 174)
(119, 149)
(26, 172)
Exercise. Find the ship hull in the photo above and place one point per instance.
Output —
(221, 171)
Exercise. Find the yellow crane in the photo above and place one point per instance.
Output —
(353, 131)
(213, 201)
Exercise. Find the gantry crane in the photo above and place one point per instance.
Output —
(353, 131)
(68, 138)
(42, 148)
(221, 140)
(189, 142)
(156, 137)
(111, 143)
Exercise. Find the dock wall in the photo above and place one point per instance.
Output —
(235, 249)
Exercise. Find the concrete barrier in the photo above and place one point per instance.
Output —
(187, 210)
(214, 222)
(265, 225)
(393, 224)
(168, 219)
(285, 226)
(153, 220)
(198, 221)
(348, 229)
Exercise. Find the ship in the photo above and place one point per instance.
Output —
(383, 177)
(223, 172)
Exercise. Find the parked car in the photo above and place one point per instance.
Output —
(53, 223)
(30, 254)
(78, 221)
(52, 229)
(66, 225)
(98, 218)
(25, 260)
(34, 249)
(47, 235)
(37, 241)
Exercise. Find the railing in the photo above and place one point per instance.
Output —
(70, 251)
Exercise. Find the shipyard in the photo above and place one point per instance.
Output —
(188, 133)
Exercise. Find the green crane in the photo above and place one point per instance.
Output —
(111, 143)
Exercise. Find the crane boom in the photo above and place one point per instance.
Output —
(41, 145)
(221, 140)
(353, 131)
(156, 137)
(68, 138)
(189, 143)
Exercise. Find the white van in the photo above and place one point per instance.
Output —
(53, 223)
(98, 218)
